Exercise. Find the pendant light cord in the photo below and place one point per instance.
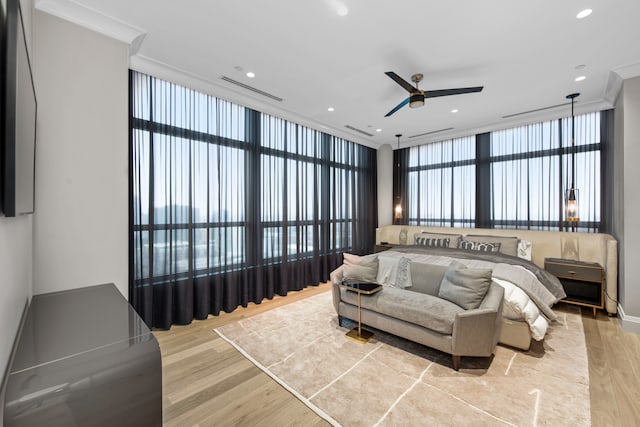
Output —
(573, 146)
(572, 97)
(398, 136)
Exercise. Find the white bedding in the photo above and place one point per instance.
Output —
(518, 306)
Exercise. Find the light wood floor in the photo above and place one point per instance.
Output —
(207, 382)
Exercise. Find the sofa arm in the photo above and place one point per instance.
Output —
(476, 332)
(336, 278)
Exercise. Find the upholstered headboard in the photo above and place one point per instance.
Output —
(591, 247)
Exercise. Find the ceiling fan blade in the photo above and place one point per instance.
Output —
(446, 92)
(399, 106)
(402, 82)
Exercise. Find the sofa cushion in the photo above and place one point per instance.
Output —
(359, 259)
(465, 287)
(426, 278)
(360, 268)
(424, 310)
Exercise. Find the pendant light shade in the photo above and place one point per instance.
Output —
(571, 208)
(397, 210)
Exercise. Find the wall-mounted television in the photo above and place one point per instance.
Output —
(19, 118)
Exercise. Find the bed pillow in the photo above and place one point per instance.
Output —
(479, 246)
(432, 242)
(465, 287)
(507, 245)
(360, 268)
(437, 240)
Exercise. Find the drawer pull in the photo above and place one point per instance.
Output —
(571, 271)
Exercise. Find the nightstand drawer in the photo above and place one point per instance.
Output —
(573, 271)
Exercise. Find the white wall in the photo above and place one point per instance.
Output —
(618, 185)
(15, 258)
(81, 220)
(385, 185)
(628, 149)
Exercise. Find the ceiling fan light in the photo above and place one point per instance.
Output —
(416, 100)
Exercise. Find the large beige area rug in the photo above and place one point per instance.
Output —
(391, 381)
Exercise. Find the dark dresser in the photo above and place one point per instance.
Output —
(84, 358)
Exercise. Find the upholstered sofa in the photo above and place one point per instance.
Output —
(420, 315)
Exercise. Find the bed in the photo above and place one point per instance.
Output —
(517, 259)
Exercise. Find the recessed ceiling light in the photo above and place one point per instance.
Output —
(342, 10)
(580, 67)
(455, 110)
(584, 13)
(330, 109)
(251, 75)
(580, 78)
(378, 130)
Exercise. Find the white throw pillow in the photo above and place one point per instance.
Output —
(524, 249)
(360, 268)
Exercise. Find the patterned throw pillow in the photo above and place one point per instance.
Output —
(479, 246)
(524, 249)
(403, 276)
(508, 245)
(452, 238)
(432, 242)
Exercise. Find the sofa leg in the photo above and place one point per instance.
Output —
(456, 361)
(339, 320)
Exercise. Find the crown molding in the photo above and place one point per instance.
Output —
(628, 71)
(94, 20)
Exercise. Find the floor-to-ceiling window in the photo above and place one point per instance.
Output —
(230, 205)
(442, 182)
(511, 178)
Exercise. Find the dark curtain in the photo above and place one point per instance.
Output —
(606, 170)
(401, 184)
(231, 206)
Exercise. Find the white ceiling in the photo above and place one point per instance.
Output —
(525, 55)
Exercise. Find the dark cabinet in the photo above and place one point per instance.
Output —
(583, 282)
(84, 357)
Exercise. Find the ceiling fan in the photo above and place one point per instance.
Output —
(416, 96)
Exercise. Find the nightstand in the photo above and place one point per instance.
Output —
(382, 247)
(583, 282)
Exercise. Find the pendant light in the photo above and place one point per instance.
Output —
(571, 196)
(397, 210)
